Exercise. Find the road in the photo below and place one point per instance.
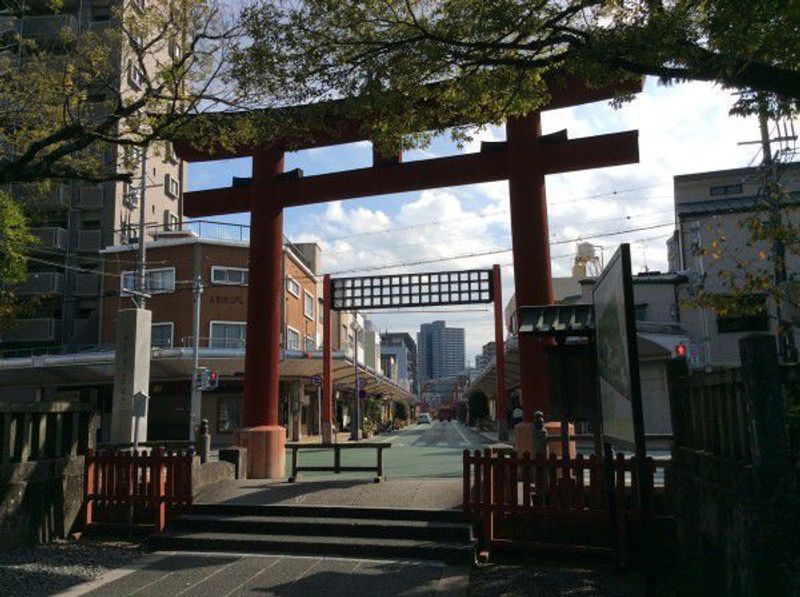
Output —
(417, 452)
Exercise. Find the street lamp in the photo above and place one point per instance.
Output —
(355, 430)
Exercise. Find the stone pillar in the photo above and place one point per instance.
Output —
(265, 439)
(131, 374)
(532, 279)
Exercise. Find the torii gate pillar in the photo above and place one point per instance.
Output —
(532, 279)
(264, 438)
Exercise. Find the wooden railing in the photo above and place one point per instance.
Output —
(42, 430)
(713, 415)
(136, 487)
(499, 486)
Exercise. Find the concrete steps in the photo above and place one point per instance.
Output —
(374, 533)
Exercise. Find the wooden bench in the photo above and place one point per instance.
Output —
(337, 458)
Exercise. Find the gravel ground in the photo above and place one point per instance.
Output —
(49, 569)
(536, 577)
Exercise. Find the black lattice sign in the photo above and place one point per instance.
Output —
(412, 290)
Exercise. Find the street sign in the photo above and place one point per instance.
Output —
(317, 380)
(617, 353)
(140, 404)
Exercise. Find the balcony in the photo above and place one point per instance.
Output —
(89, 241)
(42, 283)
(46, 30)
(54, 198)
(32, 330)
(87, 285)
(91, 198)
(50, 239)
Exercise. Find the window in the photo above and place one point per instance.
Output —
(161, 335)
(308, 305)
(750, 316)
(175, 50)
(311, 345)
(236, 276)
(171, 221)
(228, 334)
(157, 281)
(171, 186)
(292, 339)
(728, 189)
(130, 195)
(135, 75)
(293, 287)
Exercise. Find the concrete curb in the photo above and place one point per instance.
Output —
(112, 575)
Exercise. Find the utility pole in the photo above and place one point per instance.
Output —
(786, 342)
(197, 390)
(355, 429)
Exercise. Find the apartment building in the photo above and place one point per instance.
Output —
(441, 351)
(711, 211)
(402, 348)
(73, 221)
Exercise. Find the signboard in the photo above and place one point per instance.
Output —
(617, 354)
(317, 380)
(412, 290)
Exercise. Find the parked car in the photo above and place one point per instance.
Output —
(425, 418)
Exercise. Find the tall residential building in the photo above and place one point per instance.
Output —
(400, 347)
(441, 351)
(73, 220)
(486, 358)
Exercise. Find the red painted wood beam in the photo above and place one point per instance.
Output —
(577, 154)
(400, 178)
(600, 151)
(217, 202)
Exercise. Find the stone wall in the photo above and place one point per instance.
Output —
(39, 501)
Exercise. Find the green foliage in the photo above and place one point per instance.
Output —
(428, 65)
(15, 239)
(68, 101)
(478, 405)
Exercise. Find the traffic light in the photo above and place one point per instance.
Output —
(681, 350)
(207, 379)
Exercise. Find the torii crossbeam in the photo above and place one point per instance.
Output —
(524, 160)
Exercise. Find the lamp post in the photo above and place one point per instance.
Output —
(355, 430)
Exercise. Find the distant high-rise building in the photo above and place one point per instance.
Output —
(483, 360)
(441, 351)
(401, 346)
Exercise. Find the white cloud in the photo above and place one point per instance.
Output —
(682, 129)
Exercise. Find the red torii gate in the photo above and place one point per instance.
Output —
(524, 160)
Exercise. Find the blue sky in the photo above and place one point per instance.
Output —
(682, 129)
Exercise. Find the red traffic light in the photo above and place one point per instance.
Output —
(681, 350)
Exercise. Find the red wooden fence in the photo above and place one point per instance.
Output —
(500, 487)
(136, 487)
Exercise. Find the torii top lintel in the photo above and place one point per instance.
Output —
(552, 154)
